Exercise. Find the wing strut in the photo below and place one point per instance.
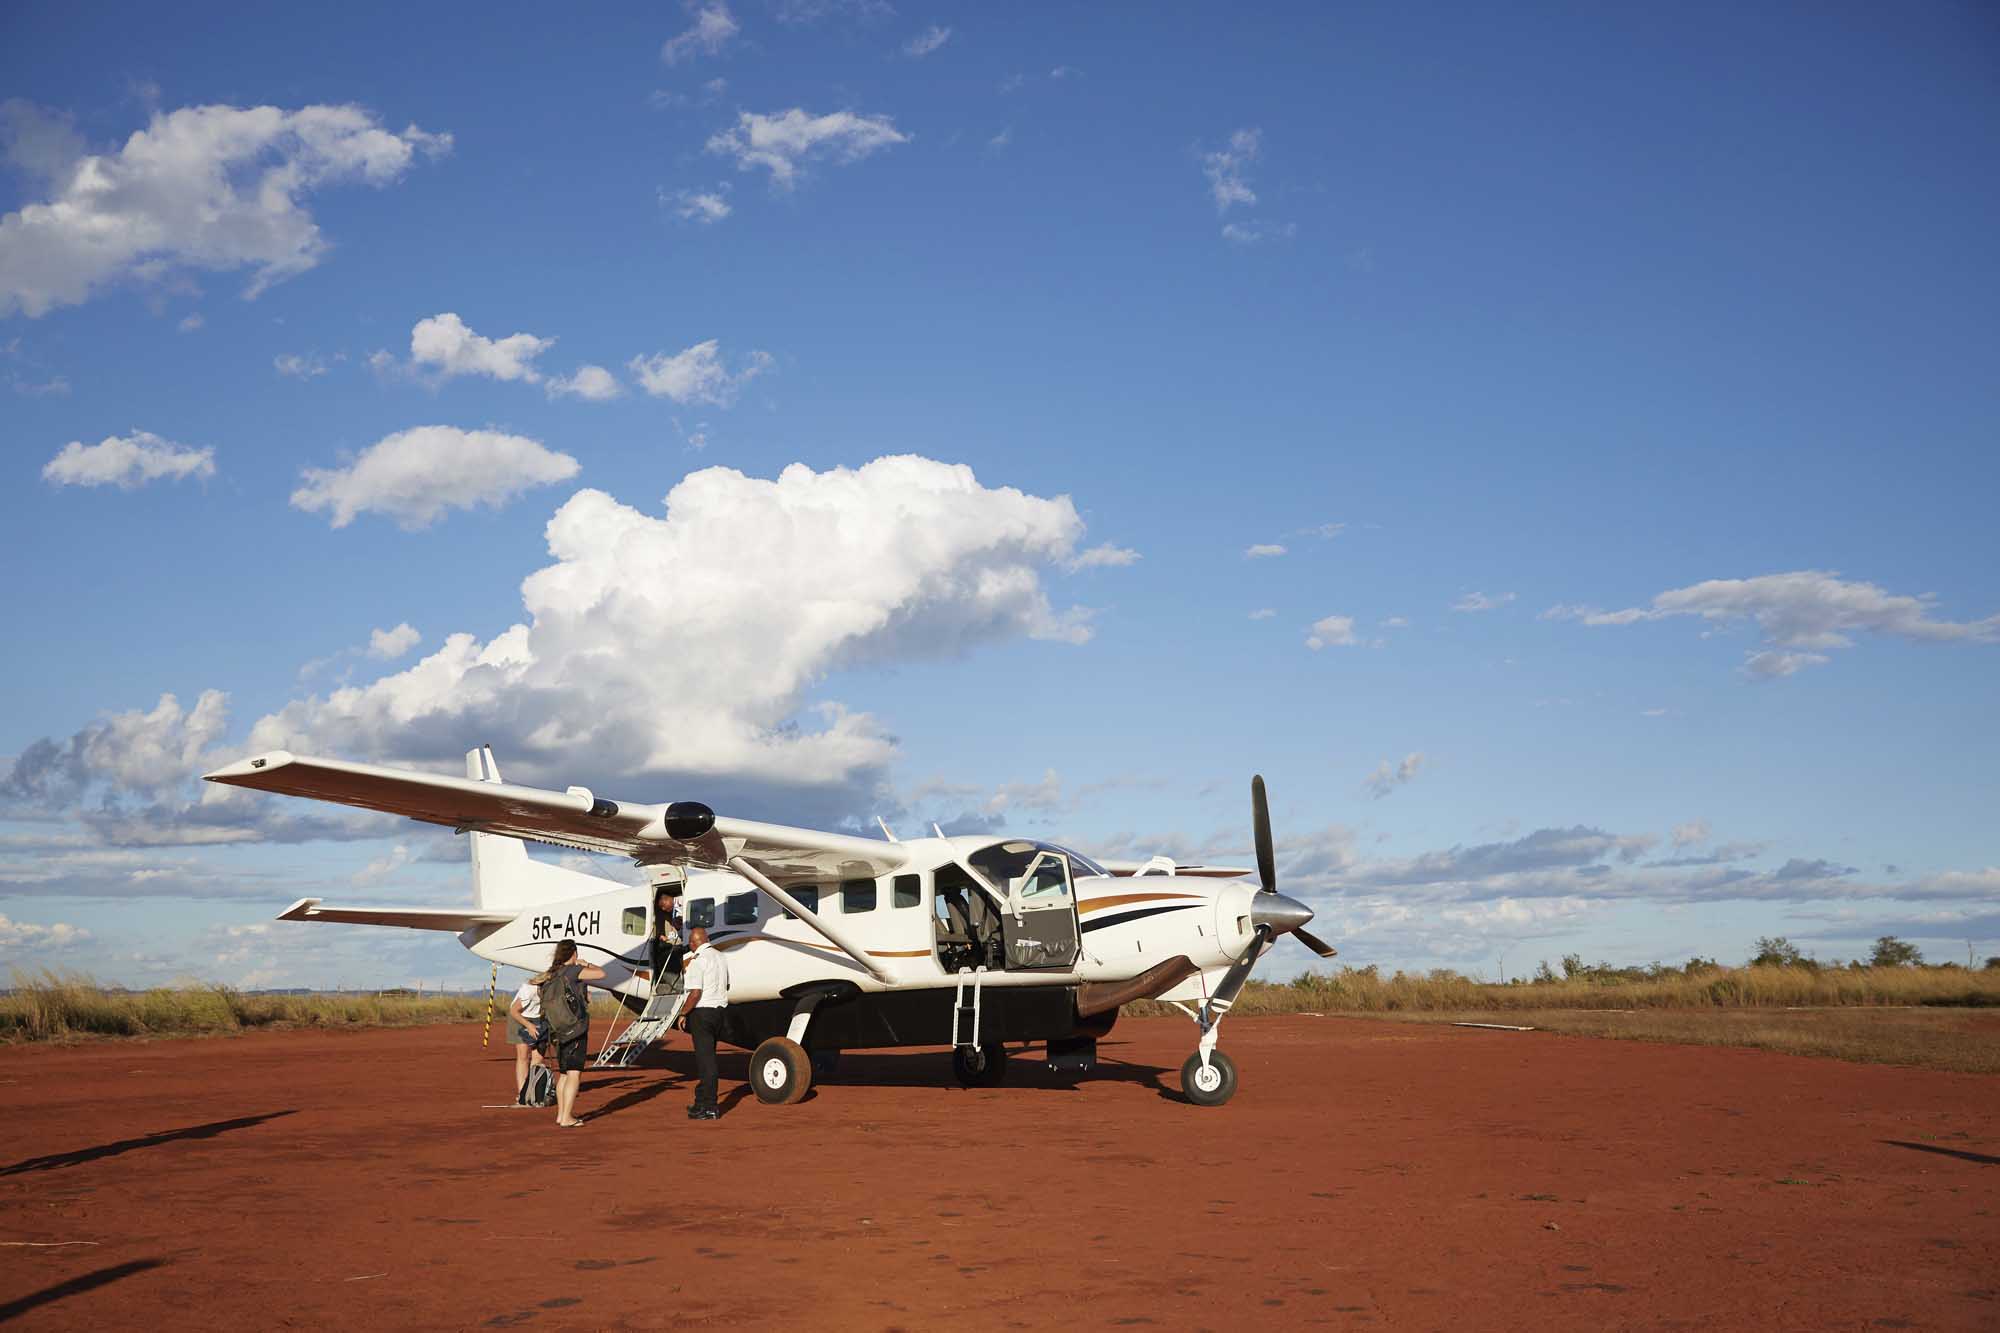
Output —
(798, 909)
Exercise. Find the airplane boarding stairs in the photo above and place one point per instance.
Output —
(663, 1008)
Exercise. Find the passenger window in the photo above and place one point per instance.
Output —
(808, 896)
(908, 891)
(701, 914)
(633, 921)
(857, 895)
(739, 909)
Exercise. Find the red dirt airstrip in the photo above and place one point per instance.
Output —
(1368, 1174)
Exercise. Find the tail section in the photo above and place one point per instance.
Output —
(504, 876)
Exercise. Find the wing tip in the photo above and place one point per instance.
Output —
(242, 770)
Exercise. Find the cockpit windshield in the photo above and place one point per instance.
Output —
(1004, 863)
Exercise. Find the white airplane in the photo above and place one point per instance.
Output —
(839, 942)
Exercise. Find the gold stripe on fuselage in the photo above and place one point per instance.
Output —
(1090, 905)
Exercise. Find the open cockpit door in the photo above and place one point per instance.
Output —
(1040, 927)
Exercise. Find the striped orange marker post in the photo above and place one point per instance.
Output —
(487, 1032)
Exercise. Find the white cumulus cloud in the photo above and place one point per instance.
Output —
(20, 938)
(696, 375)
(592, 383)
(1802, 615)
(706, 207)
(127, 462)
(1479, 601)
(390, 644)
(414, 475)
(711, 30)
(1387, 777)
(1106, 556)
(1332, 632)
(777, 581)
(1225, 167)
(783, 142)
(309, 366)
(1263, 551)
(208, 187)
(445, 345)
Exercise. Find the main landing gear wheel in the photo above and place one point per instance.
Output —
(1210, 1086)
(980, 1066)
(780, 1071)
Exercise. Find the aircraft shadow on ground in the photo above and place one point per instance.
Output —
(1960, 1153)
(75, 1286)
(885, 1069)
(78, 1156)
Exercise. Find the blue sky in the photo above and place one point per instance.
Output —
(1618, 386)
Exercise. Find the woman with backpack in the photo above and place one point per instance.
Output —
(566, 1012)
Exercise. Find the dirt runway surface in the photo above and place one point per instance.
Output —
(1367, 1175)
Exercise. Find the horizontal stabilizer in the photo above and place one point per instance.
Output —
(454, 919)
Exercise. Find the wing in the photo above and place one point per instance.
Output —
(454, 919)
(1161, 865)
(685, 833)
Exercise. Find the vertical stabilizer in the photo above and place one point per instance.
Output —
(504, 876)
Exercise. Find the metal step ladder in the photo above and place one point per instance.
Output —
(964, 1016)
(663, 1007)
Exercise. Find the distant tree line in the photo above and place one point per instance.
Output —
(1771, 951)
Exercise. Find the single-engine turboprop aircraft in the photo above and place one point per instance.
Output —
(835, 941)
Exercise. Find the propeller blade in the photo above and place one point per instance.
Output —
(1313, 942)
(1239, 971)
(1260, 819)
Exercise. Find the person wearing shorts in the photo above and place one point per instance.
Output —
(570, 1055)
(528, 1034)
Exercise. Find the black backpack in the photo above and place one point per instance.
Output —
(565, 1011)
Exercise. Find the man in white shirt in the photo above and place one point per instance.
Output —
(707, 982)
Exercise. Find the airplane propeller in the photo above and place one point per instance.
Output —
(1281, 914)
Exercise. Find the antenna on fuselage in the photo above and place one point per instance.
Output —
(885, 828)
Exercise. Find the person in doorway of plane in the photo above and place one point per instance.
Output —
(667, 949)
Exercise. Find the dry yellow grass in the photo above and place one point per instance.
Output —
(1966, 1040)
(1364, 990)
(50, 1006)
(1936, 1017)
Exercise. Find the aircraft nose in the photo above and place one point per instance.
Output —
(1278, 912)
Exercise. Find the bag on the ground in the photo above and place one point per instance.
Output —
(563, 1009)
(540, 1089)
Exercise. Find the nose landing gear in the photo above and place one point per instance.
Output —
(1209, 1084)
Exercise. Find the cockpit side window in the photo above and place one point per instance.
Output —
(1045, 880)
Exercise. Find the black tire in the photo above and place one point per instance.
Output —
(825, 1064)
(780, 1071)
(1212, 1086)
(983, 1067)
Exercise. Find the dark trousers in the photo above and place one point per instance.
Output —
(703, 1024)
